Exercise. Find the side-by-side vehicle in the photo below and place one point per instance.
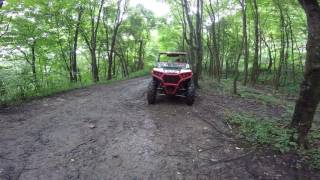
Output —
(173, 76)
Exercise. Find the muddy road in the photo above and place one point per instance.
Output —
(110, 132)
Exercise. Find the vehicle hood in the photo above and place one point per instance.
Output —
(172, 71)
(171, 67)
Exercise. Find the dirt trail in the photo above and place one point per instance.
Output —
(109, 132)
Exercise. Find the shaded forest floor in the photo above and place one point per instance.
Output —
(110, 132)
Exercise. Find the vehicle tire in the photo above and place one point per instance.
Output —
(152, 91)
(191, 93)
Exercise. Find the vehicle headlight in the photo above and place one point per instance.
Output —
(185, 75)
(157, 73)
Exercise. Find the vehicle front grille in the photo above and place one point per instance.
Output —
(173, 79)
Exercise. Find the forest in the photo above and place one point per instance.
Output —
(48, 45)
(267, 50)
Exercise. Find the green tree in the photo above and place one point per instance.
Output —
(310, 88)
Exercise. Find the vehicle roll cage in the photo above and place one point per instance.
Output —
(172, 54)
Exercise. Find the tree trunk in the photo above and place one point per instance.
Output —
(114, 72)
(33, 63)
(140, 61)
(237, 73)
(292, 49)
(117, 24)
(286, 57)
(73, 62)
(255, 67)
(211, 54)
(92, 42)
(310, 88)
(124, 64)
(282, 50)
(215, 45)
(216, 53)
(94, 33)
(198, 42)
(245, 39)
(189, 22)
(269, 68)
(110, 62)
(94, 67)
(222, 46)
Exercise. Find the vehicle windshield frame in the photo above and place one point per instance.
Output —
(177, 55)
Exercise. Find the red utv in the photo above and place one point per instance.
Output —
(172, 76)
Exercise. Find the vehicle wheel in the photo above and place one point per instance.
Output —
(152, 91)
(191, 92)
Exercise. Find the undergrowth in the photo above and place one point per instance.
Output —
(263, 131)
(275, 134)
(18, 90)
(267, 132)
(312, 156)
(265, 95)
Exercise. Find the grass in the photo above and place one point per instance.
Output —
(265, 96)
(312, 157)
(275, 134)
(17, 92)
(263, 131)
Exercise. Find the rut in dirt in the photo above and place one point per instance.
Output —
(110, 132)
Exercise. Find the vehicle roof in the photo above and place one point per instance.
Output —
(174, 54)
